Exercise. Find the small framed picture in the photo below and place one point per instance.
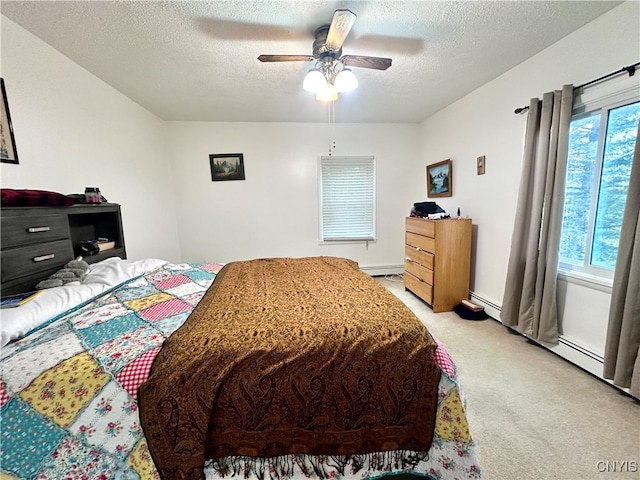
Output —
(439, 179)
(8, 151)
(226, 166)
(480, 165)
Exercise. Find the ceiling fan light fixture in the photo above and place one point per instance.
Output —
(346, 81)
(314, 81)
(327, 94)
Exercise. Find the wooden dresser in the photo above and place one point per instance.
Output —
(38, 241)
(437, 260)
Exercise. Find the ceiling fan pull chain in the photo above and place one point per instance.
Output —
(333, 125)
(331, 117)
(329, 125)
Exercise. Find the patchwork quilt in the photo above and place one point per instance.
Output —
(69, 404)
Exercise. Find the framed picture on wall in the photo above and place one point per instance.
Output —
(8, 152)
(226, 166)
(439, 179)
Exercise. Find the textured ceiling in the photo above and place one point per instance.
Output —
(196, 60)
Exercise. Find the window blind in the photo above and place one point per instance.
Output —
(347, 198)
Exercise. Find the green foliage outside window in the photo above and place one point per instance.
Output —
(596, 185)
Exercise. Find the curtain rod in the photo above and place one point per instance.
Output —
(631, 70)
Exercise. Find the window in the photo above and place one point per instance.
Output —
(347, 198)
(601, 144)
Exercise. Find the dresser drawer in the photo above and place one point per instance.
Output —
(419, 271)
(421, 226)
(421, 289)
(420, 241)
(26, 230)
(19, 262)
(423, 258)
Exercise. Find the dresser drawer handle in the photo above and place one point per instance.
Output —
(42, 258)
(38, 229)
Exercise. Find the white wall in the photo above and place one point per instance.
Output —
(72, 131)
(484, 123)
(274, 212)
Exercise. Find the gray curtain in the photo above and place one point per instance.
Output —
(529, 302)
(621, 354)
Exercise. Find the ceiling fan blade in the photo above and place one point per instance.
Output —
(377, 63)
(285, 58)
(341, 24)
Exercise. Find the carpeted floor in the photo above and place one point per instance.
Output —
(532, 414)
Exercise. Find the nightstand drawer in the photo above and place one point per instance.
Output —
(26, 230)
(420, 241)
(423, 258)
(419, 271)
(23, 261)
(421, 289)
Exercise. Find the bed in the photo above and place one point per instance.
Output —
(70, 396)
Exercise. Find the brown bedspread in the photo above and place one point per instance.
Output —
(285, 356)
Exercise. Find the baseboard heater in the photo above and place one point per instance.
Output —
(565, 341)
(383, 270)
(582, 350)
(568, 349)
(492, 309)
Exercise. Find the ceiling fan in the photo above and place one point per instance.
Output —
(331, 74)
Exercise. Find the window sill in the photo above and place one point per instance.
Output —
(586, 280)
(343, 241)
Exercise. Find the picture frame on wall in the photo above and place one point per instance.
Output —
(8, 151)
(226, 166)
(439, 179)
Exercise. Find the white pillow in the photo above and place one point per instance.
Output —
(102, 276)
(113, 271)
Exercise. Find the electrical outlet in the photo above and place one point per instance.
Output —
(480, 165)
